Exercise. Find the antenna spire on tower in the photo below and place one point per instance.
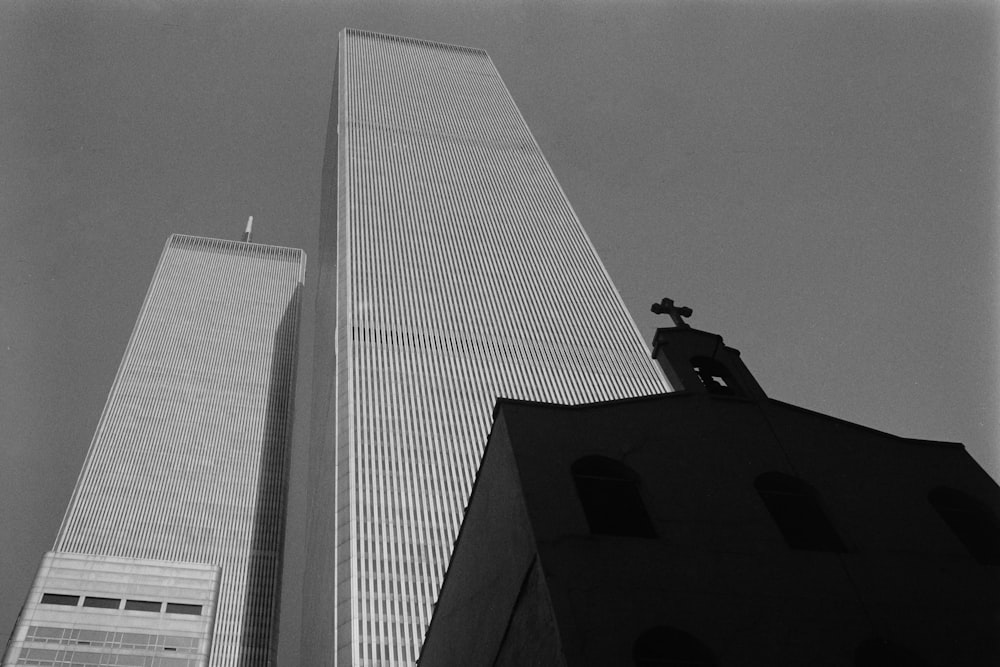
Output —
(249, 229)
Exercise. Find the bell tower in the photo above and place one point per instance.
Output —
(699, 361)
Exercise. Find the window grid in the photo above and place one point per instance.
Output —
(111, 639)
(64, 658)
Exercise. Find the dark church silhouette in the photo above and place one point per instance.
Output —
(717, 526)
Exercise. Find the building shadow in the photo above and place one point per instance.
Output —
(259, 645)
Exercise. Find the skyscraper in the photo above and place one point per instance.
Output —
(171, 546)
(453, 271)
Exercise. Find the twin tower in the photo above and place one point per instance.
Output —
(450, 265)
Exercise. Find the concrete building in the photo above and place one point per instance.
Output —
(450, 262)
(169, 554)
(717, 526)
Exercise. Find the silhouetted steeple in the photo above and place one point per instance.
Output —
(699, 361)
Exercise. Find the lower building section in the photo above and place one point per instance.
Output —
(102, 610)
(710, 529)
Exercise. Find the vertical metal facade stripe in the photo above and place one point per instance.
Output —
(190, 458)
(462, 275)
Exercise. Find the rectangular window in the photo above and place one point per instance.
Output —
(96, 636)
(174, 662)
(102, 603)
(135, 639)
(186, 643)
(43, 632)
(55, 598)
(178, 608)
(42, 655)
(131, 660)
(143, 605)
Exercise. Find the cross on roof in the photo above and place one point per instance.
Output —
(667, 307)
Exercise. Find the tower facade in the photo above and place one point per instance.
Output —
(452, 269)
(170, 550)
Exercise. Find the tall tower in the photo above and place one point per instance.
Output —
(453, 271)
(170, 549)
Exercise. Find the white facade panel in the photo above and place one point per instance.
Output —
(102, 610)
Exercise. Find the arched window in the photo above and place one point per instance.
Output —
(877, 652)
(669, 647)
(972, 522)
(609, 493)
(795, 507)
(716, 377)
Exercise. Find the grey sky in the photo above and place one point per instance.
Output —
(816, 179)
